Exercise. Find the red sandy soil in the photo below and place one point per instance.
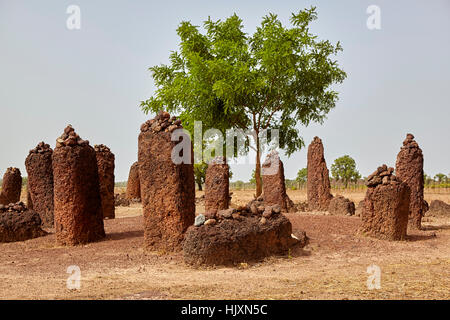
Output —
(333, 266)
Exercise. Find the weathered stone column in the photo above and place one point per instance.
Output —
(386, 206)
(167, 189)
(105, 164)
(217, 185)
(40, 182)
(77, 202)
(274, 187)
(409, 168)
(319, 188)
(11, 186)
(134, 184)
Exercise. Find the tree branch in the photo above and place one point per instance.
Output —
(266, 125)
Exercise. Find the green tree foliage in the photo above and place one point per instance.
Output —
(427, 179)
(441, 178)
(344, 169)
(279, 77)
(291, 184)
(239, 185)
(200, 174)
(302, 176)
(253, 178)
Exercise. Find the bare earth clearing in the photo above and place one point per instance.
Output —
(332, 266)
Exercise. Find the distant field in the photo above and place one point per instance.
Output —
(300, 195)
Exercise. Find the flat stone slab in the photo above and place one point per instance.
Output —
(340, 205)
(438, 208)
(238, 240)
(21, 226)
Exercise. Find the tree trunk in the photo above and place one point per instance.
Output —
(199, 187)
(258, 168)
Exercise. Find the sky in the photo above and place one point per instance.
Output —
(398, 76)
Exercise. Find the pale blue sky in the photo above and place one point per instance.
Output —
(94, 78)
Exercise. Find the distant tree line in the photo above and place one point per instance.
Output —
(343, 175)
(439, 180)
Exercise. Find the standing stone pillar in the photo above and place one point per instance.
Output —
(319, 188)
(386, 206)
(167, 188)
(409, 169)
(217, 185)
(134, 184)
(105, 164)
(11, 186)
(77, 202)
(274, 186)
(40, 182)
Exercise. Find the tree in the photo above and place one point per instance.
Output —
(279, 77)
(440, 177)
(344, 169)
(200, 174)
(239, 184)
(427, 179)
(302, 176)
(291, 184)
(253, 178)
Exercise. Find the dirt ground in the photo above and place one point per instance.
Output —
(333, 265)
